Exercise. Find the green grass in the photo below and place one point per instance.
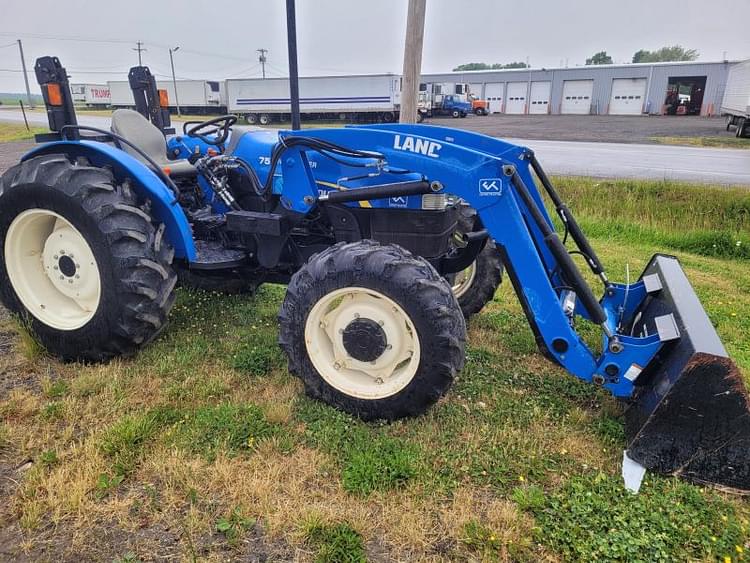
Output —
(205, 433)
(592, 517)
(334, 543)
(229, 428)
(709, 221)
(369, 459)
(18, 132)
(717, 142)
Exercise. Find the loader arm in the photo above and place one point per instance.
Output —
(495, 178)
(689, 413)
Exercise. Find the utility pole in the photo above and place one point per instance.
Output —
(139, 48)
(262, 60)
(25, 76)
(412, 60)
(174, 79)
(291, 39)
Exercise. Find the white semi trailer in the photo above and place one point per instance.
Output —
(90, 95)
(736, 103)
(354, 98)
(194, 96)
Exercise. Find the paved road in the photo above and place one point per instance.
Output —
(620, 160)
(607, 160)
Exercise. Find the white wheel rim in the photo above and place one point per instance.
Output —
(52, 269)
(463, 280)
(381, 378)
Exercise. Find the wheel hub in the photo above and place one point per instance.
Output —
(67, 266)
(364, 340)
(52, 269)
(68, 263)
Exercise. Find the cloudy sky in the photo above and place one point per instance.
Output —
(218, 39)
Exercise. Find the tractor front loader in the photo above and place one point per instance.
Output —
(364, 225)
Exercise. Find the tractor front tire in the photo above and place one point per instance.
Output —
(476, 285)
(372, 330)
(82, 264)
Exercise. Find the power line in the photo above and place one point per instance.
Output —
(119, 42)
(59, 38)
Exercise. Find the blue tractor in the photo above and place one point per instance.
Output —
(365, 225)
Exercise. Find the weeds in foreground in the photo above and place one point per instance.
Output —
(334, 542)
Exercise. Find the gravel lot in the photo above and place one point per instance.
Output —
(599, 128)
(10, 153)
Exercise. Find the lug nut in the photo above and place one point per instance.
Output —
(337, 366)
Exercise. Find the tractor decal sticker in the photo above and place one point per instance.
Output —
(490, 186)
(398, 201)
(417, 146)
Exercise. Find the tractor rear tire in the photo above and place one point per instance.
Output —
(476, 286)
(372, 330)
(82, 264)
(229, 282)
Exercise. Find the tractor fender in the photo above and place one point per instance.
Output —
(145, 182)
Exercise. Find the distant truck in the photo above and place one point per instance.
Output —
(194, 96)
(90, 95)
(366, 97)
(479, 106)
(437, 99)
(736, 103)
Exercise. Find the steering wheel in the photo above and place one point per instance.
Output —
(218, 128)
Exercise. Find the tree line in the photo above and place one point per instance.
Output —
(665, 54)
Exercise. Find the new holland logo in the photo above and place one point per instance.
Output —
(417, 146)
(398, 201)
(490, 186)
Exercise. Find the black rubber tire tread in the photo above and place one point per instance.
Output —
(229, 282)
(489, 274)
(411, 282)
(132, 253)
(741, 130)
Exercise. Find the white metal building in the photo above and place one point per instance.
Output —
(629, 89)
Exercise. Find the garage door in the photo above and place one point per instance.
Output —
(628, 95)
(493, 93)
(515, 101)
(540, 97)
(476, 89)
(576, 97)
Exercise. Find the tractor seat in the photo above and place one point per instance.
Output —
(146, 136)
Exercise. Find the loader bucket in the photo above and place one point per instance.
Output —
(690, 415)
